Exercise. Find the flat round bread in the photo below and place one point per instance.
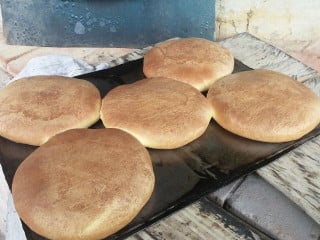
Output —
(36, 108)
(161, 113)
(83, 184)
(198, 62)
(264, 105)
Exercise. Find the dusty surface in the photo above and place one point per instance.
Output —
(296, 22)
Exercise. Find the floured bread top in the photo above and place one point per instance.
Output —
(83, 184)
(264, 105)
(36, 108)
(196, 61)
(160, 112)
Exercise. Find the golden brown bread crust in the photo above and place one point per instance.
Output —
(264, 105)
(83, 184)
(161, 113)
(36, 108)
(198, 62)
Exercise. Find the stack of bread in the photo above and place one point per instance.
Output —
(89, 183)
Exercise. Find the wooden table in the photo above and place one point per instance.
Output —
(296, 174)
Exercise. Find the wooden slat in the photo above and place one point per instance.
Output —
(200, 220)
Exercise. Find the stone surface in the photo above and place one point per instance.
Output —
(309, 59)
(9, 52)
(269, 210)
(273, 21)
(313, 48)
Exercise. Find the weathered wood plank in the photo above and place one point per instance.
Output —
(258, 54)
(313, 83)
(200, 220)
(297, 175)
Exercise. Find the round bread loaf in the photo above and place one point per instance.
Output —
(83, 184)
(264, 105)
(198, 62)
(161, 113)
(36, 108)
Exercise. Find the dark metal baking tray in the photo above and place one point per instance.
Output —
(183, 175)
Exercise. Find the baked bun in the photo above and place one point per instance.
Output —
(83, 184)
(36, 108)
(196, 61)
(264, 105)
(160, 112)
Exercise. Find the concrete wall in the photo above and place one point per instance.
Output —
(292, 25)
